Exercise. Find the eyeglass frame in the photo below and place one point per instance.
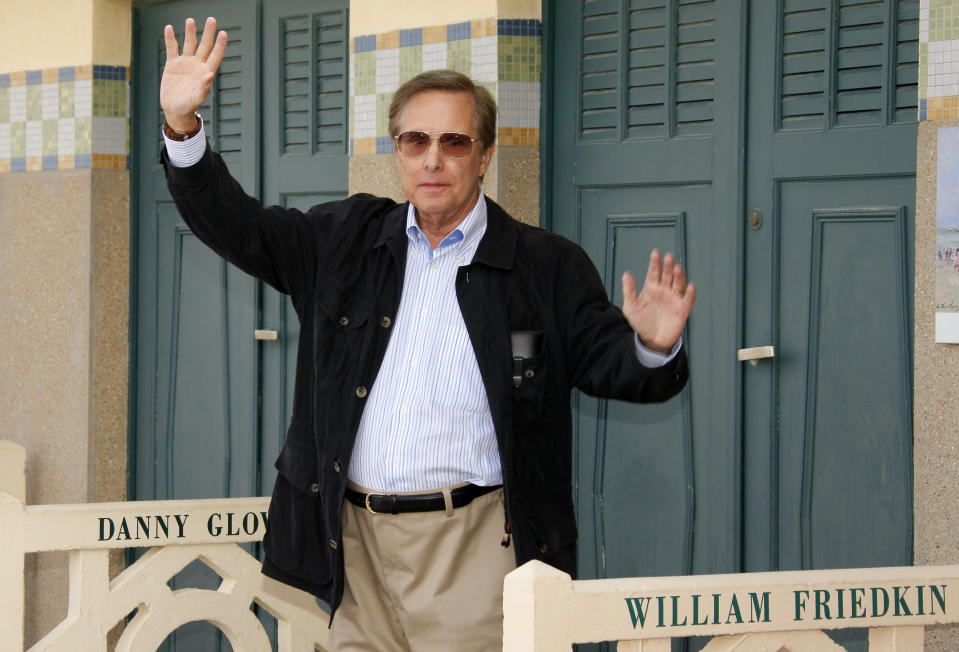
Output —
(435, 135)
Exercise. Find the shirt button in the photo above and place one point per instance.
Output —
(361, 392)
(543, 548)
(413, 363)
(333, 543)
(336, 466)
(315, 488)
(386, 322)
(423, 314)
(344, 320)
(530, 373)
(434, 264)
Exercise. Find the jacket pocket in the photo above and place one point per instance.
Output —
(339, 318)
(297, 460)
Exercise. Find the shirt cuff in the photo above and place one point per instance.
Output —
(184, 153)
(652, 359)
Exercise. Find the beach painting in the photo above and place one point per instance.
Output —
(947, 236)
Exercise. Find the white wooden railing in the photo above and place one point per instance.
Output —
(748, 612)
(545, 611)
(178, 532)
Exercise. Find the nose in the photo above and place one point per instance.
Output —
(433, 159)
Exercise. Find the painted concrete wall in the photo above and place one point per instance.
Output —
(55, 33)
(64, 262)
(936, 384)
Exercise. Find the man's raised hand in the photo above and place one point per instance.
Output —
(187, 76)
(659, 312)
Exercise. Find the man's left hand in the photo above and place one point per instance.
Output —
(659, 312)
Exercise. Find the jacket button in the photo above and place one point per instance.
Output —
(333, 543)
(543, 548)
(361, 392)
(386, 322)
(336, 466)
(344, 320)
(315, 488)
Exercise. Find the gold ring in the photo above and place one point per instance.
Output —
(679, 293)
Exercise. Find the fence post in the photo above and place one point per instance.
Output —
(13, 489)
(534, 599)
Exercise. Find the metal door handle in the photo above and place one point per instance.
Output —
(755, 354)
(265, 335)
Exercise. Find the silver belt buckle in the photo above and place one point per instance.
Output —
(369, 508)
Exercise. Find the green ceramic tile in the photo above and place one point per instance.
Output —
(18, 139)
(519, 58)
(364, 75)
(383, 113)
(4, 105)
(109, 100)
(49, 147)
(352, 120)
(459, 56)
(411, 62)
(34, 102)
(83, 139)
(67, 95)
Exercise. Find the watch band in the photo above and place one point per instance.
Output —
(181, 136)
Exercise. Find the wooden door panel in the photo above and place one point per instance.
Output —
(844, 373)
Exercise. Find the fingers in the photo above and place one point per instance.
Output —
(172, 49)
(216, 58)
(690, 297)
(669, 264)
(655, 271)
(206, 43)
(629, 287)
(679, 280)
(189, 38)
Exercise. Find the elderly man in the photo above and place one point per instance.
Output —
(430, 446)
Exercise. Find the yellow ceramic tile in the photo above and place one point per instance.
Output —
(4, 165)
(18, 78)
(34, 163)
(388, 40)
(66, 162)
(50, 75)
(483, 27)
(434, 34)
(84, 72)
(364, 146)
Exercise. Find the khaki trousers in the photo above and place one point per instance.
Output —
(423, 582)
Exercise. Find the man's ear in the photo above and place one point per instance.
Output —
(487, 157)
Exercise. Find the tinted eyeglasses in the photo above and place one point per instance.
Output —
(415, 143)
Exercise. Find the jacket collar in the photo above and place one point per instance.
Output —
(496, 249)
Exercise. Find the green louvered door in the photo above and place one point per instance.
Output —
(212, 402)
(772, 144)
(305, 150)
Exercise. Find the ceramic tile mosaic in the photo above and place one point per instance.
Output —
(505, 56)
(65, 118)
(938, 59)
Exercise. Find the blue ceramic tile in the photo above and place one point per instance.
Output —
(365, 43)
(83, 161)
(51, 162)
(411, 37)
(68, 73)
(458, 31)
(384, 145)
(34, 77)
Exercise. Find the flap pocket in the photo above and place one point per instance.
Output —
(346, 311)
(297, 460)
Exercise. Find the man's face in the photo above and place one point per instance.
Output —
(443, 189)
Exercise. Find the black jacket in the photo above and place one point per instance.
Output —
(342, 263)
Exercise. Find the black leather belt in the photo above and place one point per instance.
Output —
(377, 503)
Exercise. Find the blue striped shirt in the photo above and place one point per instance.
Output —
(427, 422)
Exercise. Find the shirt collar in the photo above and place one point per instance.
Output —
(469, 231)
